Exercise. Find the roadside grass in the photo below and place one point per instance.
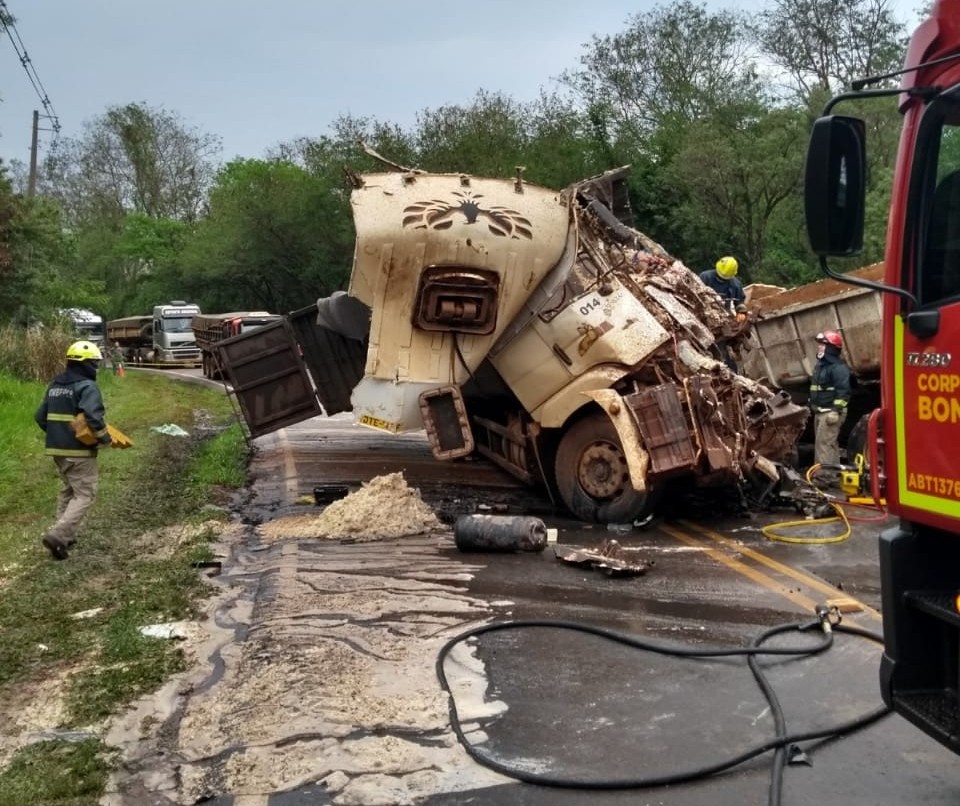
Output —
(128, 577)
(73, 773)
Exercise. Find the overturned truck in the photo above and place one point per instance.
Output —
(531, 326)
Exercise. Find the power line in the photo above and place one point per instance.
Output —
(7, 24)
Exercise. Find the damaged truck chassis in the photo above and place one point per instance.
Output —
(532, 327)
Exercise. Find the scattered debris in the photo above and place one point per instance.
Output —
(180, 630)
(328, 493)
(170, 430)
(385, 507)
(611, 558)
(87, 613)
(500, 533)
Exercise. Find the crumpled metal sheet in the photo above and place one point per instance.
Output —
(610, 557)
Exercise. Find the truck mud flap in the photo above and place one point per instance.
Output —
(269, 378)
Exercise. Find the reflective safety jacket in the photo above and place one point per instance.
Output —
(830, 384)
(67, 395)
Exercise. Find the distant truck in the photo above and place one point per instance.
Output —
(210, 328)
(782, 351)
(87, 324)
(165, 337)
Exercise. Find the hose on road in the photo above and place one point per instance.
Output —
(782, 743)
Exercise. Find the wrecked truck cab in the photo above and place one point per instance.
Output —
(537, 329)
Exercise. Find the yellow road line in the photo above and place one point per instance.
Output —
(805, 603)
(800, 576)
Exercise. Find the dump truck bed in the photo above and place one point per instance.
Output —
(130, 327)
(783, 350)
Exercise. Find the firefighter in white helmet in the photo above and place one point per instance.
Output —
(72, 392)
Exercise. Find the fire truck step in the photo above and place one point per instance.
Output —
(941, 604)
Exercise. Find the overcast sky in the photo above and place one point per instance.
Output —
(256, 73)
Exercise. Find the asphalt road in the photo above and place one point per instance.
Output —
(319, 683)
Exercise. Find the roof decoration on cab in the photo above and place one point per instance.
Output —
(439, 214)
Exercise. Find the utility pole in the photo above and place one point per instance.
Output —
(32, 180)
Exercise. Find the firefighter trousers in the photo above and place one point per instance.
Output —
(826, 447)
(78, 487)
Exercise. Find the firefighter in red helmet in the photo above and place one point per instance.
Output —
(829, 397)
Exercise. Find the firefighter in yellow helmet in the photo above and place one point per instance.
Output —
(70, 393)
(723, 279)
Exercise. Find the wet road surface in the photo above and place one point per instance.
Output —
(321, 688)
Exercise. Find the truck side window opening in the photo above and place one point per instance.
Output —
(939, 278)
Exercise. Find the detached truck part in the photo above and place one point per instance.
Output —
(912, 436)
(532, 327)
(210, 328)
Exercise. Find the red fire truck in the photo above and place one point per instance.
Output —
(914, 458)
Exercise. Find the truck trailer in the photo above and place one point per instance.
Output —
(781, 351)
(532, 327)
(210, 328)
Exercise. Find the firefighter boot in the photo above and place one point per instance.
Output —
(57, 548)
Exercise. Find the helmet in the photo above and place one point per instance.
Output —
(830, 337)
(727, 267)
(83, 351)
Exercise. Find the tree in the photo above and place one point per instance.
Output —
(34, 248)
(276, 237)
(734, 174)
(670, 66)
(133, 159)
(822, 45)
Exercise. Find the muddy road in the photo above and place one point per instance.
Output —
(316, 681)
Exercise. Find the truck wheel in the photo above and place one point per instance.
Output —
(592, 475)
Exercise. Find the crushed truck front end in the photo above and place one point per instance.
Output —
(534, 327)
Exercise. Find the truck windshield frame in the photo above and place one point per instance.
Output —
(176, 324)
(932, 228)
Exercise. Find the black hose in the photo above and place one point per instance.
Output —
(779, 743)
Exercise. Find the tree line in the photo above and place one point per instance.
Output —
(711, 109)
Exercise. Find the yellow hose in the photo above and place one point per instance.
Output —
(770, 532)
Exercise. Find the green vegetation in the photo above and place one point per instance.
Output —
(710, 107)
(63, 773)
(125, 567)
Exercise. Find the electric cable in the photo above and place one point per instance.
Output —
(779, 743)
(8, 26)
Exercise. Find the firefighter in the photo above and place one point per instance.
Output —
(829, 397)
(723, 280)
(71, 392)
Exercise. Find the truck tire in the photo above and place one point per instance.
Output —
(592, 476)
